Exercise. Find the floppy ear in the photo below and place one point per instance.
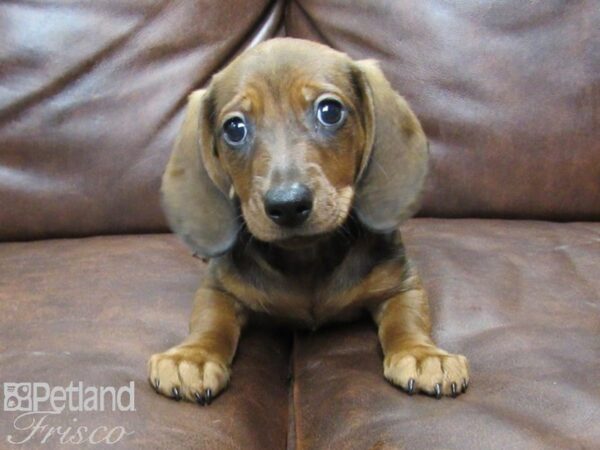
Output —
(395, 159)
(198, 210)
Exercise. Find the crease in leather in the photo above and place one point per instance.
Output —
(314, 28)
(80, 70)
(261, 29)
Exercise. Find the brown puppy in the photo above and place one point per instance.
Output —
(292, 172)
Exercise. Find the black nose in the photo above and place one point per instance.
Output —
(288, 205)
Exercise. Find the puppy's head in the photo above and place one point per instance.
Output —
(299, 135)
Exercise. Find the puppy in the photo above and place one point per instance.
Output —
(292, 172)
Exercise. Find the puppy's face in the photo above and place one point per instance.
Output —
(300, 134)
(289, 134)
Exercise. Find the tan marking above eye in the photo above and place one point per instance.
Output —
(309, 93)
(246, 104)
(241, 103)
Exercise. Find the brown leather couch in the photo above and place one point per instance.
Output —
(507, 241)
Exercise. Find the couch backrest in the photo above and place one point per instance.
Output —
(92, 94)
(508, 92)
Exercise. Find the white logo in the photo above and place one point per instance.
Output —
(74, 397)
(17, 396)
(39, 403)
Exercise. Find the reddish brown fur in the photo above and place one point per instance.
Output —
(337, 264)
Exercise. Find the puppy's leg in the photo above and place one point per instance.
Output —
(412, 361)
(198, 368)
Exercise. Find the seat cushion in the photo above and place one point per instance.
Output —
(520, 299)
(94, 310)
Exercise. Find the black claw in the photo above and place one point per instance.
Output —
(453, 389)
(156, 383)
(208, 396)
(438, 391)
(465, 385)
(411, 386)
(176, 394)
(200, 398)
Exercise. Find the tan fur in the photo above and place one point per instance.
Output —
(347, 258)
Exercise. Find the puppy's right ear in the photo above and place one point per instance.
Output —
(196, 201)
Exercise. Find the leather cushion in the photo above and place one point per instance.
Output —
(520, 299)
(94, 310)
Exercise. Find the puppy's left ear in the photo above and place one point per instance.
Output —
(395, 158)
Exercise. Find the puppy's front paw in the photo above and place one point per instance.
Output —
(187, 372)
(429, 370)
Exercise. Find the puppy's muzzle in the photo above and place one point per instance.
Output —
(289, 205)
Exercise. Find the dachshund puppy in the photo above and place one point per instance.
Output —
(292, 172)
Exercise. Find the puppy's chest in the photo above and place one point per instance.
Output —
(334, 285)
(308, 299)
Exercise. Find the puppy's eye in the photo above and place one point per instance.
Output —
(330, 112)
(235, 131)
